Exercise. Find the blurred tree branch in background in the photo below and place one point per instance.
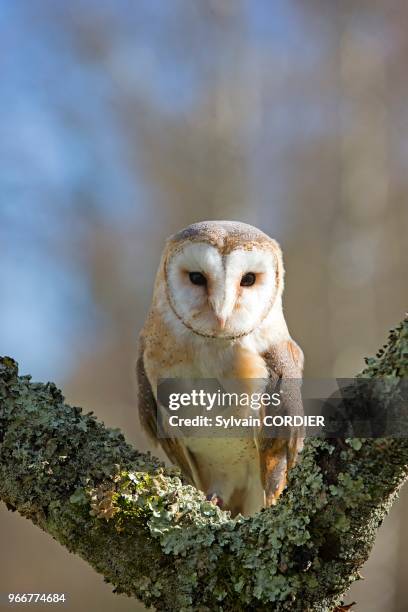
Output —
(158, 540)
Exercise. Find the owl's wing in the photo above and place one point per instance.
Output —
(278, 455)
(147, 406)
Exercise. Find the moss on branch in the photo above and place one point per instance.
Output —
(159, 540)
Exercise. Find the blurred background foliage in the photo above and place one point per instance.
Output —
(122, 122)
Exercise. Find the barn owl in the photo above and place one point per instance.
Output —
(217, 312)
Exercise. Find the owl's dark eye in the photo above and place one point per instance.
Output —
(248, 279)
(197, 278)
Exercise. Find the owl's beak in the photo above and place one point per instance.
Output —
(221, 321)
(222, 311)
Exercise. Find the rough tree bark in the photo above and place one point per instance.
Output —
(155, 539)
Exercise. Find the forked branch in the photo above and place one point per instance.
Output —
(157, 540)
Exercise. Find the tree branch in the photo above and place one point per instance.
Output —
(155, 539)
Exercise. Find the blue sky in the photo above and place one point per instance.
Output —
(63, 155)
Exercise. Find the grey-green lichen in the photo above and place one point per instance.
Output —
(159, 540)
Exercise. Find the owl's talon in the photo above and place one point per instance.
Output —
(215, 499)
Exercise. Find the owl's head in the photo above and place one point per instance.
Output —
(222, 277)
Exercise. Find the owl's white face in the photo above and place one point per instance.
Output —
(218, 295)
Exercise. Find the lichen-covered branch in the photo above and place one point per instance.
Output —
(160, 541)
